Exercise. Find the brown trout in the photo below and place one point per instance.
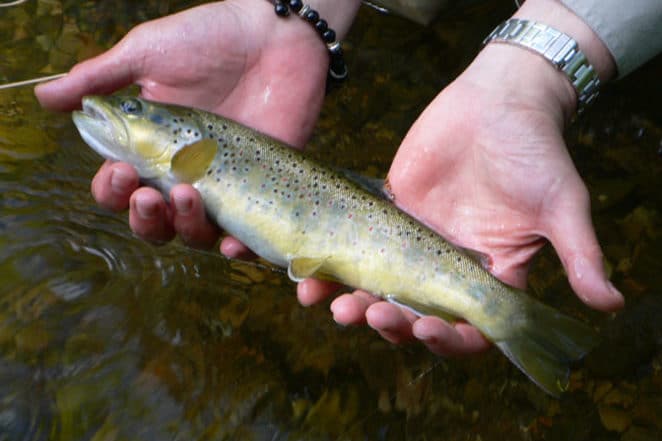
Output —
(316, 222)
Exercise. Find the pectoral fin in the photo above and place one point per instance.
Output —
(301, 268)
(192, 161)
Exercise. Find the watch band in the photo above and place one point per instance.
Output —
(557, 48)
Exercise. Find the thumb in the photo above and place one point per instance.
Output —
(103, 74)
(574, 239)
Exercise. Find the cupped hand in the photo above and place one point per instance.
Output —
(235, 58)
(486, 166)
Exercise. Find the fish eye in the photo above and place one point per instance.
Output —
(131, 106)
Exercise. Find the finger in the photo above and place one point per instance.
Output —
(312, 291)
(190, 219)
(149, 216)
(113, 184)
(103, 74)
(574, 239)
(232, 248)
(350, 309)
(393, 323)
(449, 340)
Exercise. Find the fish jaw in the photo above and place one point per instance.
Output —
(102, 129)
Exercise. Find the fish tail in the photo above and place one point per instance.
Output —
(545, 343)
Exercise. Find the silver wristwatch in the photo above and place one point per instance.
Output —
(558, 48)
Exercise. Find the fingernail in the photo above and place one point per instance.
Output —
(614, 291)
(147, 210)
(120, 181)
(183, 204)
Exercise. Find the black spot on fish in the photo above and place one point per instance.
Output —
(225, 127)
(237, 139)
(209, 172)
(210, 127)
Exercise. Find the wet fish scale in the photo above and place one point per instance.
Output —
(345, 221)
(297, 213)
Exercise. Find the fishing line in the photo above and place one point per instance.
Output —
(15, 3)
(33, 80)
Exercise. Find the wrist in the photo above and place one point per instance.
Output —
(511, 75)
(553, 15)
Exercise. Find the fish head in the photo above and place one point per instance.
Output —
(142, 133)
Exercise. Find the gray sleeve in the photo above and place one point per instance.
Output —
(631, 30)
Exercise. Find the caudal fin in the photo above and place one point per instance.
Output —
(545, 344)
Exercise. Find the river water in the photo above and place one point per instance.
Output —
(106, 337)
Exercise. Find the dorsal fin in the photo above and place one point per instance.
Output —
(376, 186)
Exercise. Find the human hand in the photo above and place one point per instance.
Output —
(486, 166)
(235, 58)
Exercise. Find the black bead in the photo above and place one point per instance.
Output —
(335, 50)
(296, 5)
(338, 69)
(321, 26)
(281, 9)
(329, 36)
(312, 16)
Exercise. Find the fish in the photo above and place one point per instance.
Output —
(300, 214)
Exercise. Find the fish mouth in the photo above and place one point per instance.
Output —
(102, 128)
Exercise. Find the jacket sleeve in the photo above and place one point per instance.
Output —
(631, 30)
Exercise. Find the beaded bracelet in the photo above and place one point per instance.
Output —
(337, 67)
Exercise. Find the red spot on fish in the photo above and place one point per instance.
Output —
(370, 229)
(350, 216)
